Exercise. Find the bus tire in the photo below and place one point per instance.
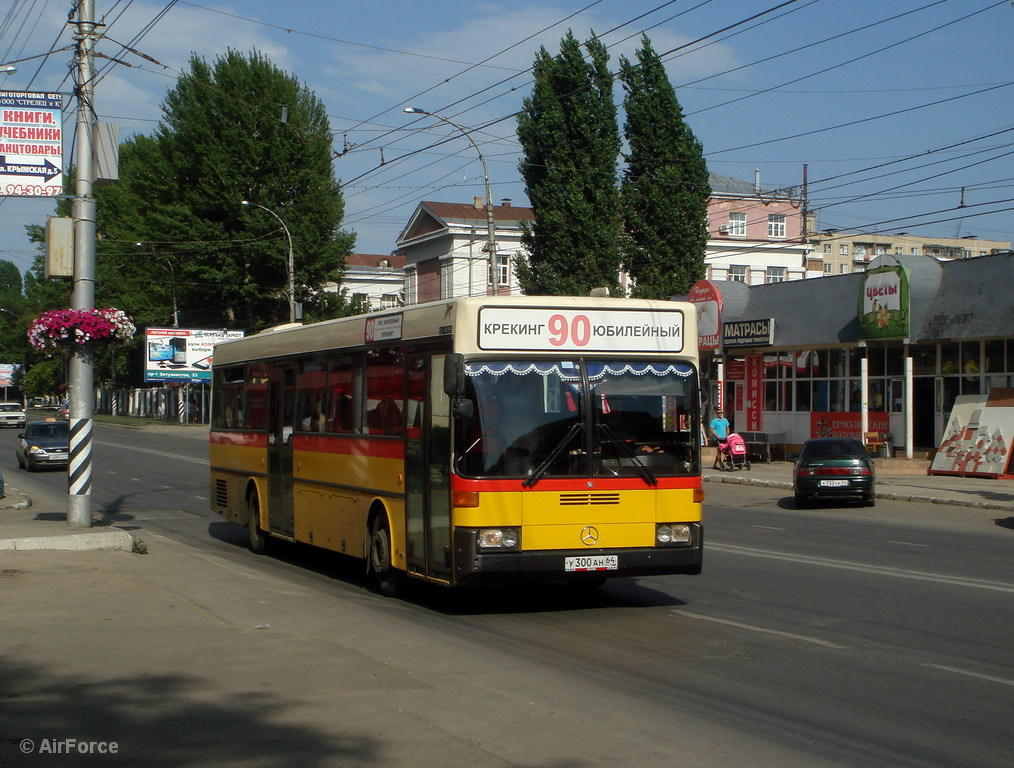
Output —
(388, 580)
(259, 538)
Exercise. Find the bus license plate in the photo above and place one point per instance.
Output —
(591, 563)
(833, 483)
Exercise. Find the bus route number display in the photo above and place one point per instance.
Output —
(580, 330)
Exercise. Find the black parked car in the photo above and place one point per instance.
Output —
(834, 468)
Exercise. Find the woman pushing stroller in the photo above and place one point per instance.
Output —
(719, 428)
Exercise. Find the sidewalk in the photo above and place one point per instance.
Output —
(24, 526)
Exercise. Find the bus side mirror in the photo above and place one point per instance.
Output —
(466, 409)
(454, 374)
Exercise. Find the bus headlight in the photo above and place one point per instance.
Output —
(670, 534)
(499, 538)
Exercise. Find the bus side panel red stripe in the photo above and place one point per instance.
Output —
(240, 439)
(347, 445)
(350, 446)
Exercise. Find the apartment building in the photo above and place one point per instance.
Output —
(841, 253)
(755, 233)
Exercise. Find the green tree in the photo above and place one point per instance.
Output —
(13, 316)
(239, 129)
(569, 135)
(327, 305)
(665, 190)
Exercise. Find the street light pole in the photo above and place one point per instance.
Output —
(176, 314)
(494, 272)
(292, 271)
(172, 272)
(81, 405)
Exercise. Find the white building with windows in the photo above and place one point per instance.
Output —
(377, 279)
(445, 247)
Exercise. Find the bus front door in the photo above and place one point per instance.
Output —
(428, 468)
(282, 409)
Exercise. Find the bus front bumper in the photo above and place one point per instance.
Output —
(472, 566)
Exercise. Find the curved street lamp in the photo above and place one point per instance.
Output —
(172, 272)
(494, 273)
(292, 273)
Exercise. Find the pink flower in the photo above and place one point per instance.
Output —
(79, 326)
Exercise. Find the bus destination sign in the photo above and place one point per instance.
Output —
(580, 330)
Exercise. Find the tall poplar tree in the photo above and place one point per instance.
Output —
(568, 132)
(665, 188)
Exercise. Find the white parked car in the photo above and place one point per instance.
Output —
(12, 415)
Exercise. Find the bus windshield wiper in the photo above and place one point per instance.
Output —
(540, 470)
(625, 449)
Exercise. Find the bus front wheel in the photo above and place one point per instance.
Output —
(388, 580)
(258, 537)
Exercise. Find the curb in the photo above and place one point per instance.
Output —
(887, 495)
(73, 542)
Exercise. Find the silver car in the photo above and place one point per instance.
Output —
(44, 444)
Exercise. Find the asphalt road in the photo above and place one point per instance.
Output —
(813, 638)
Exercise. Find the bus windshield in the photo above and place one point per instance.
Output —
(568, 418)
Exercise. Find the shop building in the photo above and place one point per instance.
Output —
(888, 350)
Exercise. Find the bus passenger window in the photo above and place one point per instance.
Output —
(385, 387)
(385, 418)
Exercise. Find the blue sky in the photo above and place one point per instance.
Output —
(894, 107)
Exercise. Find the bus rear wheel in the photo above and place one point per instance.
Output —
(258, 537)
(388, 580)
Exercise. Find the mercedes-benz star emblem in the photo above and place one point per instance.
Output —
(589, 535)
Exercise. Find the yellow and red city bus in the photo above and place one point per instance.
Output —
(471, 440)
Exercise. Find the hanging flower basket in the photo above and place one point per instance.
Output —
(63, 327)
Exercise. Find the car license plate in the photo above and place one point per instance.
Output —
(591, 563)
(833, 483)
(58, 457)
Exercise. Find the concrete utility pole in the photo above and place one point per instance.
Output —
(82, 362)
(494, 268)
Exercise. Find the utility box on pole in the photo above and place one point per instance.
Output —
(106, 141)
(59, 247)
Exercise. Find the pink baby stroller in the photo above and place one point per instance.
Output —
(734, 451)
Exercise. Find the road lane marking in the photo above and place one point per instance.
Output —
(764, 630)
(957, 581)
(768, 527)
(180, 456)
(909, 544)
(955, 670)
